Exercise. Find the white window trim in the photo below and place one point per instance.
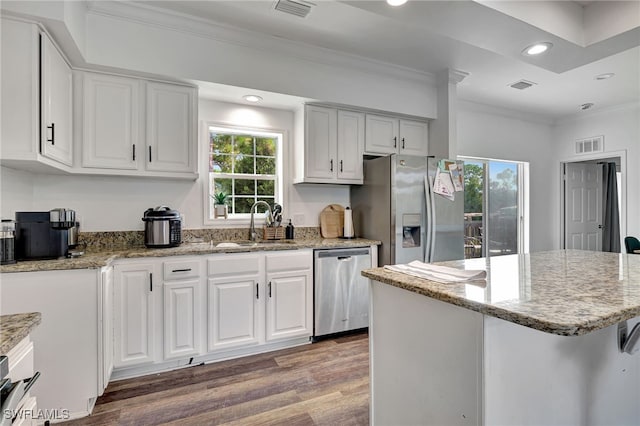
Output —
(241, 220)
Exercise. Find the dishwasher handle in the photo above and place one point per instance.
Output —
(343, 253)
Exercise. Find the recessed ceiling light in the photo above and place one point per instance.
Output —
(396, 2)
(252, 98)
(586, 106)
(537, 49)
(604, 76)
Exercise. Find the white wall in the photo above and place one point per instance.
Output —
(621, 130)
(490, 132)
(16, 192)
(196, 50)
(118, 203)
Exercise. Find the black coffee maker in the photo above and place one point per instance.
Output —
(43, 235)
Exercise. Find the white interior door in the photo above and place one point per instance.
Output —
(583, 206)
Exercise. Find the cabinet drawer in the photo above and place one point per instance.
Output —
(289, 261)
(181, 269)
(238, 264)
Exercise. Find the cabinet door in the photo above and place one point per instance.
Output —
(381, 134)
(56, 98)
(350, 146)
(110, 122)
(233, 312)
(19, 59)
(106, 351)
(171, 128)
(320, 143)
(289, 310)
(414, 137)
(235, 297)
(134, 315)
(181, 318)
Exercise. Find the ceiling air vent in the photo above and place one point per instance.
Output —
(297, 8)
(588, 145)
(522, 84)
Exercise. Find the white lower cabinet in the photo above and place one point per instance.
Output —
(170, 310)
(136, 315)
(67, 341)
(182, 308)
(289, 295)
(234, 302)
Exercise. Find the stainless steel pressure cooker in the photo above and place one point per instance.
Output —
(162, 227)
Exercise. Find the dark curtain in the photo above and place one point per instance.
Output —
(611, 222)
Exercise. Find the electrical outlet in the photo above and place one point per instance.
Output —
(298, 219)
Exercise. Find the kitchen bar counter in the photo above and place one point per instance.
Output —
(100, 258)
(538, 343)
(569, 293)
(14, 328)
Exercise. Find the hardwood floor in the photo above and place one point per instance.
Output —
(325, 383)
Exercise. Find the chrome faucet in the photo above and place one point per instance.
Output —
(269, 219)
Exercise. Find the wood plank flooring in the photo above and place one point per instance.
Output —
(325, 383)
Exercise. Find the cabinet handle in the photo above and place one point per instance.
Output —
(402, 143)
(257, 294)
(395, 141)
(269, 288)
(150, 281)
(340, 166)
(149, 154)
(134, 152)
(331, 165)
(182, 270)
(53, 133)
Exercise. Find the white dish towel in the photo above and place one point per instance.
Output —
(441, 274)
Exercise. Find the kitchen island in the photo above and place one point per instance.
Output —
(536, 343)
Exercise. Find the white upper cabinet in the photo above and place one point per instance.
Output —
(382, 134)
(320, 142)
(333, 145)
(32, 138)
(115, 141)
(171, 128)
(111, 122)
(414, 137)
(350, 146)
(56, 102)
(392, 135)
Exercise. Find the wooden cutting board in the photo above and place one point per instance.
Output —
(332, 221)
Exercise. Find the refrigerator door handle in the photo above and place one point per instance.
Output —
(428, 219)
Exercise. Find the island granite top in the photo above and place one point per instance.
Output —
(564, 292)
(14, 328)
(103, 257)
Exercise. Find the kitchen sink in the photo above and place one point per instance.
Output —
(229, 244)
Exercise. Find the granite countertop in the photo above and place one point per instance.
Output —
(564, 292)
(100, 258)
(14, 328)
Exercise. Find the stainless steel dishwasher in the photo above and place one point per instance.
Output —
(341, 293)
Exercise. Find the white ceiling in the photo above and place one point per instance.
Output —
(482, 38)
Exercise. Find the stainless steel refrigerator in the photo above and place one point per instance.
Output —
(396, 207)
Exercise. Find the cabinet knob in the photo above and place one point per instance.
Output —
(149, 154)
(340, 166)
(257, 294)
(134, 152)
(331, 165)
(402, 143)
(395, 141)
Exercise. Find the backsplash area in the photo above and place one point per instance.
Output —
(116, 239)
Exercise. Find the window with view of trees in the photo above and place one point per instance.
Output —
(244, 166)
